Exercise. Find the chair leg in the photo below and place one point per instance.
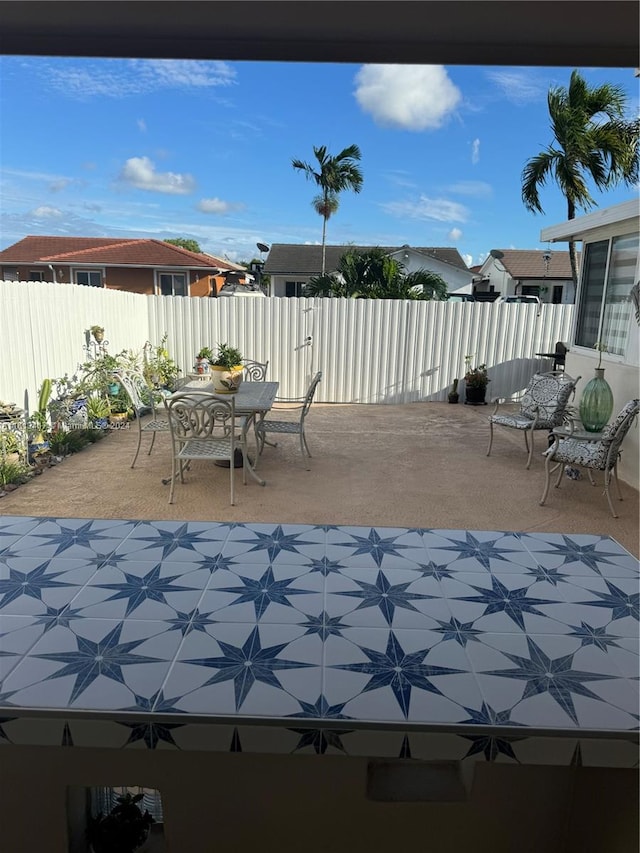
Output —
(607, 480)
(590, 476)
(138, 447)
(529, 448)
(304, 438)
(153, 439)
(547, 480)
(617, 481)
(232, 478)
(304, 455)
(174, 474)
(490, 438)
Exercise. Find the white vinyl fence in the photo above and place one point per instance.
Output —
(370, 351)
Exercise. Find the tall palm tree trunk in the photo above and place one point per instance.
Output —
(573, 252)
(324, 242)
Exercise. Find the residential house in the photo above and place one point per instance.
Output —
(525, 272)
(292, 265)
(605, 308)
(138, 266)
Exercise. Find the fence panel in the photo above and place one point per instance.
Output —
(370, 351)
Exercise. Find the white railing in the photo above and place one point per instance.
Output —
(370, 351)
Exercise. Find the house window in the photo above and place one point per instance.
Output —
(294, 288)
(172, 284)
(10, 274)
(604, 304)
(90, 278)
(35, 275)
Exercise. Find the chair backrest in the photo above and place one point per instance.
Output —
(614, 433)
(546, 397)
(195, 415)
(255, 371)
(560, 356)
(138, 391)
(311, 390)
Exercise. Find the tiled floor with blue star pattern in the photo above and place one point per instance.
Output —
(443, 629)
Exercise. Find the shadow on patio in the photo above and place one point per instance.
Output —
(414, 465)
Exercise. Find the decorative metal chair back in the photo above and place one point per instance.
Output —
(200, 417)
(138, 391)
(311, 390)
(607, 450)
(290, 427)
(255, 371)
(546, 398)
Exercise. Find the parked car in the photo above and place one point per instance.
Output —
(461, 297)
(534, 299)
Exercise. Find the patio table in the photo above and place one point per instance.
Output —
(391, 642)
(252, 400)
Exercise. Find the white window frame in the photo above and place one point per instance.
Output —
(630, 345)
(36, 275)
(89, 273)
(174, 275)
(299, 288)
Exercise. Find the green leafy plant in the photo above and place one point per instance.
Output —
(601, 347)
(123, 830)
(160, 370)
(206, 352)
(227, 357)
(12, 472)
(98, 408)
(475, 377)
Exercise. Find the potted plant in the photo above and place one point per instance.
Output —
(38, 423)
(453, 394)
(159, 369)
(98, 411)
(98, 333)
(475, 383)
(119, 408)
(226, 369)
(123, 830)
(203, 360)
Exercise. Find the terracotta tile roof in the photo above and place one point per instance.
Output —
(109, 251)
(529, 263)
(298, 259)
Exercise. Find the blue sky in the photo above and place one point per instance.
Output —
(172, 148)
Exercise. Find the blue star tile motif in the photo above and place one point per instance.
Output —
(321, 739)
(325, 566)
(324, 625)
(491, 745)
(436, 570)
(321, 710)
(152, 733)
(375, 546)
(83, 536)
(461, 632)
(193, 621)
(500, 599)
(384, 595)
(264, 591)
(553, 676)
(621, 603)
(3, 722)
(246, 664)
(136, 589)
(590, 636)
(90, 660)
(400, 670)
(475, 548)
(542, 573)
(170, 540)
(218, 563)
(30, 583)
(572, 552)
(156, 702)
(57, 616)
(275, 542)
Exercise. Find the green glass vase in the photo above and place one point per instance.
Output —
(596, 404)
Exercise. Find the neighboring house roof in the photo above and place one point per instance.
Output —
(298, 259)
(108, 252)
(529, 263)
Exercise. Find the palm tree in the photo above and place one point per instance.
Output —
(373, 274)
(333, 175)
(592, 139)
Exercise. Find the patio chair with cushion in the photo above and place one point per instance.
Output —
(595, 452)
(143, 403)
(542, 406)
(290, 427)
(202, 427)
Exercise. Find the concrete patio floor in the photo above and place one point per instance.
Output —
(415, 465)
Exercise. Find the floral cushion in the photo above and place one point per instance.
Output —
(515, 421)
(591, 454)
(546, 398)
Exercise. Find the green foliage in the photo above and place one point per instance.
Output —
(98, 408)
(206, 352)
(475, 377)
(12, 472)
(227, 356)
(184, 243)
(160, 370)
(374, 274)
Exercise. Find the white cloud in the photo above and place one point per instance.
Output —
(45, 212)
(477, 189)
(410, 97)
(468, 259)
(475, 151)
(139, 172)
(455, 234)
(217, 206)
(520, 87)
(142, 125)
(440, 209)
(119, 78)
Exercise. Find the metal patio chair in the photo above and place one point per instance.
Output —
(542, 406)
(290, 427)
(255, 371)
(143, 403)
(599, 452)
(202, 427)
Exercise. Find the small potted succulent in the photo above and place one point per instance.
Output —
(98, 411)
(98, 333)
(475, 383)
(453, 395)
(226, 369)
(203, 361)
(124, 830)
